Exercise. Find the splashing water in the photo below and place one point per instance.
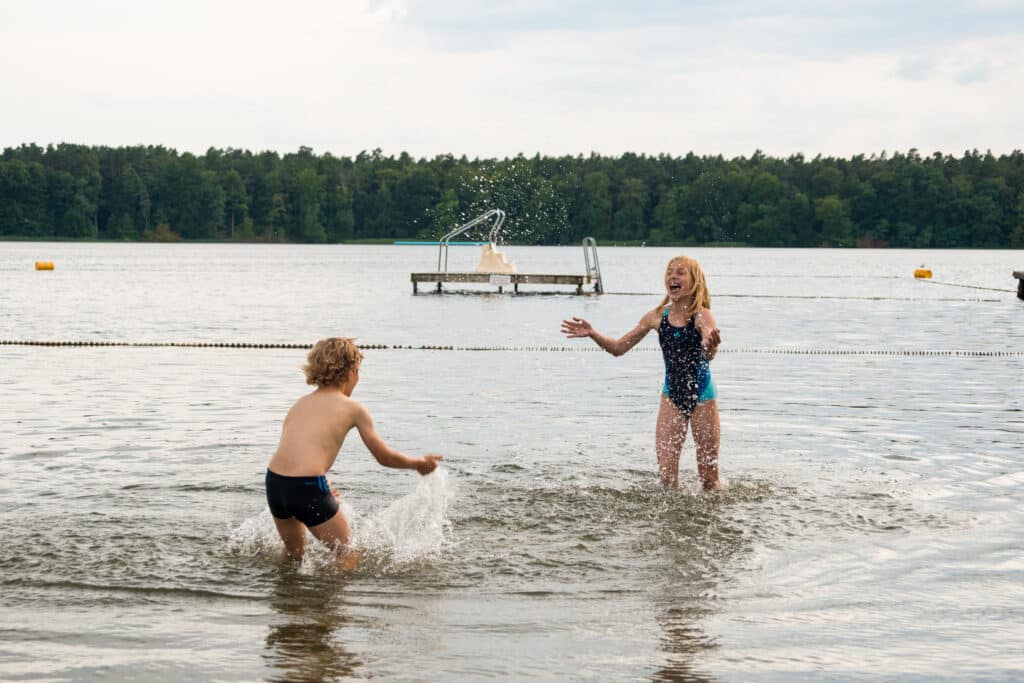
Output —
(255, 536)
(412, 529)
(415, 527)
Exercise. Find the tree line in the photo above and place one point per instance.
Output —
(155, 193)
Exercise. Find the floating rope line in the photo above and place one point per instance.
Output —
(516, 349)
(811, 297)
(821, 296)
(954, 284)
(875, 352)
(773, 276)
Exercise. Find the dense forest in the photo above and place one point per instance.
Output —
(71, 191)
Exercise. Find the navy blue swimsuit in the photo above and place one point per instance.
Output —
(687, 372)
(308, 499)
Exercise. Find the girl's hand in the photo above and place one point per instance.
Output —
(577, 327)
(711, 342)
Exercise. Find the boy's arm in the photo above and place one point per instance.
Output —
(578, 327)
(385, 455)
(711, 336)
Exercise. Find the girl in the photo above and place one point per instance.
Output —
(689, 340)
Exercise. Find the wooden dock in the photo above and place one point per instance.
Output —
(502, 280)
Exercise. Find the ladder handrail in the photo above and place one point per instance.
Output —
(497, 214)
(590, 249)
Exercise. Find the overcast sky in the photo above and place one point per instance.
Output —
(520, 76)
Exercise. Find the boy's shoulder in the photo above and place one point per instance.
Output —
(349, 405)
(333, 400)
(334, 407)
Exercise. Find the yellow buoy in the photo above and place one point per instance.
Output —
(44, 265)
(923, 273)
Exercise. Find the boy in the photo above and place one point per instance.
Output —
(298, 493)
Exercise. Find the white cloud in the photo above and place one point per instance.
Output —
(449, 77)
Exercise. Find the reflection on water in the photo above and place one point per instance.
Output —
(305, 637)
(683, 643)
(696, 539)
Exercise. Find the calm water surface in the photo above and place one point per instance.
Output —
(873, 528)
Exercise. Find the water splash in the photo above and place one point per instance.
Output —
(413, 528)
(255, 536)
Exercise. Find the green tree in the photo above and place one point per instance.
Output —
(1016, 240)
(236, 203)
(836, 226)
(631, 203)
(416, 192)
(535, 213)
(595, 214)
(444, 217)
(23, 207)
(307, 196)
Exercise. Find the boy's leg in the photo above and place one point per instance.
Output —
(293, 533)
(668, 441)
(706, 435)
(335, 533)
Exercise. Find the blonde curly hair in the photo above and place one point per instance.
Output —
(331, 360)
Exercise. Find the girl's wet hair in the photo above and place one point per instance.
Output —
(331, 360)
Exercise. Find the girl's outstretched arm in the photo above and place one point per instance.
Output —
(578, 327)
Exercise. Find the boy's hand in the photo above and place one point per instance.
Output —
(428, 463)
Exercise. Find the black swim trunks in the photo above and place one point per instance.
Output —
(308, 499)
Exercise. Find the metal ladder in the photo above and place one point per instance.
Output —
(497, 215)
(590, 252)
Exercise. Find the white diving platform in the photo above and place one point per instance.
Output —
(496, 270)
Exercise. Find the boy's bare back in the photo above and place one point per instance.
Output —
(313, 432)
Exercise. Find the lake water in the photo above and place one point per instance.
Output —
(874, 528)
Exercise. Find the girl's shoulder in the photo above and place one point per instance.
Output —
(653, 317)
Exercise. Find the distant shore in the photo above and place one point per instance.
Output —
(369, 241)
(152, 193)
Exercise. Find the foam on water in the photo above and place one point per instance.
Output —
(255, 536)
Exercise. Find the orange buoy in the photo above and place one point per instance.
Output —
(923, 273)
(44, 265)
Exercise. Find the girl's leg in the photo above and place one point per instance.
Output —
(293, 533)
(706, 435)
(668, 442)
